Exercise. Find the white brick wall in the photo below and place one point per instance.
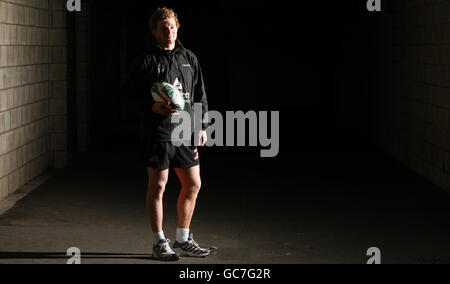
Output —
(32, 37)
(412, 91)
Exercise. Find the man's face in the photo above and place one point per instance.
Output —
(166, 32)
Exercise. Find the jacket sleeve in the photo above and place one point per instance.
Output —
(200, 92)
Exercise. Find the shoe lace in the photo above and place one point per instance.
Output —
(164, 247)
(192, 242)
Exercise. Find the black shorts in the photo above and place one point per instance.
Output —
(164, 155)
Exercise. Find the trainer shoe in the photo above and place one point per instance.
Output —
(191, 248)
(162, 251)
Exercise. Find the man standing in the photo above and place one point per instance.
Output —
(168, 61)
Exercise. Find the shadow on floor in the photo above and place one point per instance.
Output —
(61, 255)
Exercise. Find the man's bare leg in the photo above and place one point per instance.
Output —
(190, 187)
(156, 186)
(157, 180)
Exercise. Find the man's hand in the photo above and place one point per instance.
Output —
(202, 138)
(164, 109)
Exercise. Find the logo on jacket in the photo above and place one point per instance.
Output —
(161, 69)
(179, 86)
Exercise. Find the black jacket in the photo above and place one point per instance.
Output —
(179, 67)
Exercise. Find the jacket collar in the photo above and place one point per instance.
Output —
(178, 49)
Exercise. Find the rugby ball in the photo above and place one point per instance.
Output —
(167, 93)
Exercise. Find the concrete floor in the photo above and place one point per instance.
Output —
(302, 207)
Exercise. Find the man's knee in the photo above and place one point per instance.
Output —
(192, 188)
(196, 186)
(156, 189)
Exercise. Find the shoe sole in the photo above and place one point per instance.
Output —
(165, 259)
(186, 254)
(170, 258)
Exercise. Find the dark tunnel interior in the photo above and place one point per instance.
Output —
(364, 127)
(285, 57)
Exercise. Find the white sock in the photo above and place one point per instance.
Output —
(159, 236)
(182, 235)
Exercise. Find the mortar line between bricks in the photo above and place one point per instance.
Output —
(26, 85)
(433, 85)
(31, 45)
(26, 163)
(18, 109)
(403, 61)
(34, 83)
(417, 7)
(419, 44)
(25, 45)
(421, 63)
(34, 26)
(407, 115)
(432, 64)
(420, 82)
(33, 65)
(409, 9)
(430, 164)
(420, 26)
(32, 158)
(447, 130)
(33, 139)
(28, 104)
(42, 137)
(421, 139)
(29, 26)
(406, 98)
(29, 6)
(27, 124)
(431, 144)
(30, 65)
(421, 101)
